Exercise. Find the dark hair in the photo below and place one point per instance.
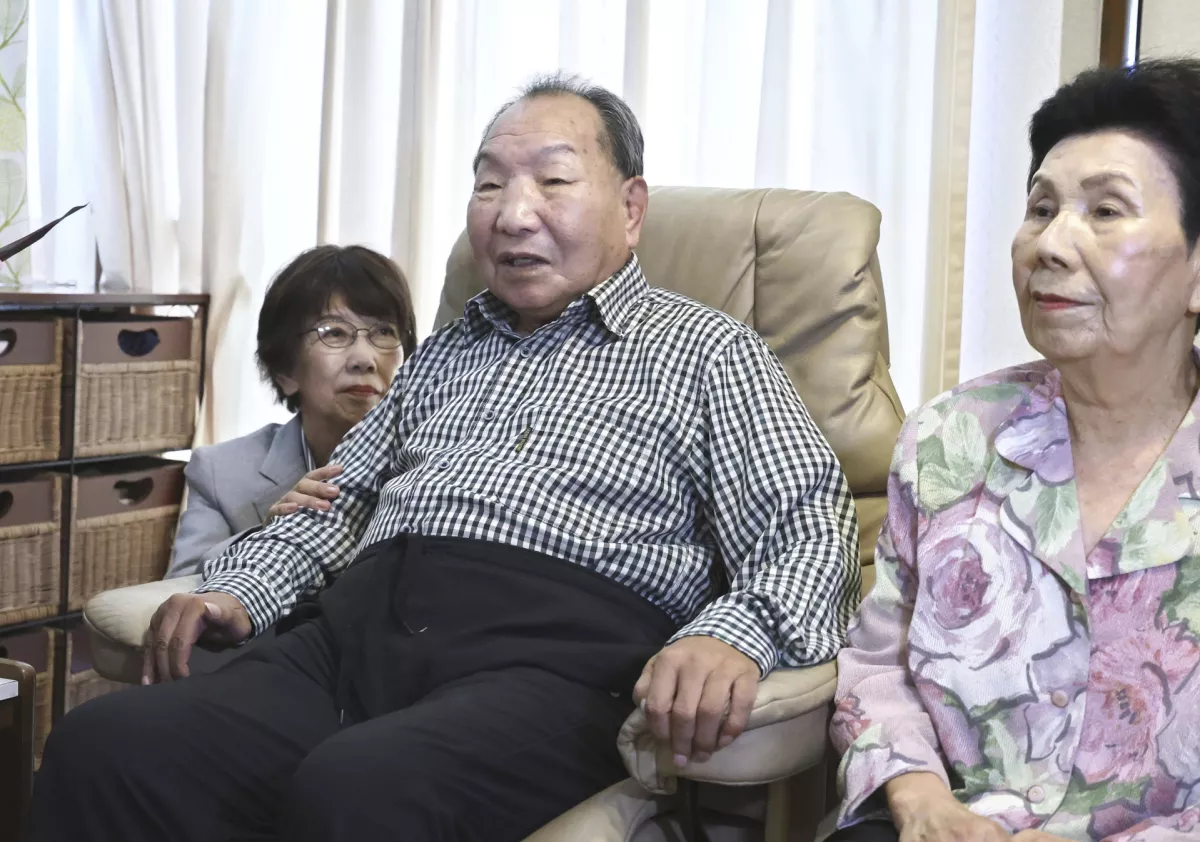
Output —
(1158, 100)
(369, 283)
(621, 137)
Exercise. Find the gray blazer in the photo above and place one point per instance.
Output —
(230, 488)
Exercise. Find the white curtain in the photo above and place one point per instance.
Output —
(224, 136)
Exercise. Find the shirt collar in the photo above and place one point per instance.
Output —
(614, 301)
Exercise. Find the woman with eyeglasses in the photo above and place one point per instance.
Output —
(335, 325)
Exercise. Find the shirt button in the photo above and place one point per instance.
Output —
(1035, 794)
(443, 464)
(489, 414)
(1060, 698)
(524, 352)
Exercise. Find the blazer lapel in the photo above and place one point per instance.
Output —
(283, 465)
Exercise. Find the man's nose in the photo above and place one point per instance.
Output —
(518, 209)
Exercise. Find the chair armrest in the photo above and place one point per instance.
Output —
(786, 734)
(117, 622)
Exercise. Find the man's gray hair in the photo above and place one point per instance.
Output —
(621, 136)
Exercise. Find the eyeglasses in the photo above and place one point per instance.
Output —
(339, 333)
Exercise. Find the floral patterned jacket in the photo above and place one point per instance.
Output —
(1050, 688)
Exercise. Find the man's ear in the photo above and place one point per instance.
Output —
(1194, 270)
(635, 196)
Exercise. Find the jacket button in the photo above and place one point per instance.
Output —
(1035, 794)
(1060, 698)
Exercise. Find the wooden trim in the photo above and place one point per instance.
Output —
(16, 747)
(1119, 20)
(101, 299)
(1112, 32)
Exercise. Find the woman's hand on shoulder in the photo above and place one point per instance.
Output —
(924, 810)
(313, 491)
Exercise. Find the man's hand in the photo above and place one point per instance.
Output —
(697, 694)
(311, 492)
(925, 810)
(216, 620)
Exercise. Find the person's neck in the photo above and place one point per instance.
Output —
(524, 324)
(322, 435)
(1119, 403)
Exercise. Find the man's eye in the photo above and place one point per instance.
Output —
(485, 186)
(555, 182)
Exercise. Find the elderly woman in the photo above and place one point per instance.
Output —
(334, 326)
(1029, 659)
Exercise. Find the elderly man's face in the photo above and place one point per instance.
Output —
(550, 217)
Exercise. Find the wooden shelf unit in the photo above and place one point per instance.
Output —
(74, 306)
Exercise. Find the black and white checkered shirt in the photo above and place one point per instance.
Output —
(641, 434)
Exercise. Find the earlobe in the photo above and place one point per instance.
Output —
(1194, 268)
(637, 199)
(287, 385)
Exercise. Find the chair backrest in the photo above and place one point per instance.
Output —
(801, 269)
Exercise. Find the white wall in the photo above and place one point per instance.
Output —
(1024, 49)
(1016, 65)
(1170, 27)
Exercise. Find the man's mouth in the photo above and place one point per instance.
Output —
(519, 260)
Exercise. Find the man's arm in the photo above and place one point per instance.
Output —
(269, 569)
(782, 517)
(783, 520)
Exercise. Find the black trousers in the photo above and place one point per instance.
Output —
(440, 690)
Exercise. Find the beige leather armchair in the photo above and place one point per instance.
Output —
(801, 269)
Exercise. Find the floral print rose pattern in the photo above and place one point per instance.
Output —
(1048, 687)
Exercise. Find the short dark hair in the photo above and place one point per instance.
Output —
(621, 136)
(1158, 100)
(369, 283)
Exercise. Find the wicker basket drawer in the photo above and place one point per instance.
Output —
(83, 682)
(137, 385)
(124, 525)
(36, 648)
(30, 546)
(30, 389)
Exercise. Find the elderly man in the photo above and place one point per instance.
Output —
(582, 487)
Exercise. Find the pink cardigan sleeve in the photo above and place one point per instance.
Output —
(880, 725)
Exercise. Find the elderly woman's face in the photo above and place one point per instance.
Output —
(1101, 265)
(342, 384)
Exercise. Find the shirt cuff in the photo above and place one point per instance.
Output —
(259, 598)
(736, 625)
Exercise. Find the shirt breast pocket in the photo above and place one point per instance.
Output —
(586, 469)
